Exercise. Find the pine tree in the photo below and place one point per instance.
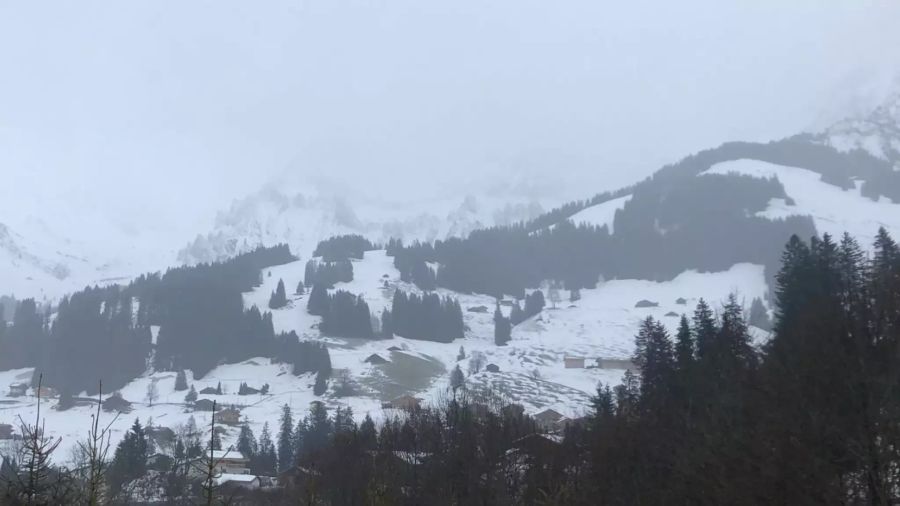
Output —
(318, 300)
(502, 328)
(278, 299)
(321, 385)
(684, 345)
(657, 364)
(367, 434)
(320, 427)
(191, 396)
(130, 459)
(759, 317)
(461, 355)
(286, 439)
(301, 288)
(181, 381)
(704, 328)
(247, 445)
(219, 388)
(457, 379)
(268, 460)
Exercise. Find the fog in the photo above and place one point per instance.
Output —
(164, 111)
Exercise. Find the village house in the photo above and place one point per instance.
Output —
(375, 359)
(238, 481)
(209, 391)
(117, 403)
(18, 389)
(406, 402)
(230, 416)
(45, 393)
(205, 405)
(548, 420)
(574, 362)
(230, 462)
(492, 368)
(6, 431)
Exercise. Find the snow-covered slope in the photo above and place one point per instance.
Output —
(833, 209)
(601, 214)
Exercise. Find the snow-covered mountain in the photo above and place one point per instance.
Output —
(877, 132)
(47, 257)
(303, 217)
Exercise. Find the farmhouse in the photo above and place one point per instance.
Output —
(6, 431)
(238, 481)
(574, 362)
(406, 402)
(230, 416)
(18, 389)
(375, 359)
(548, 419)
(205, 405)
(230, 462)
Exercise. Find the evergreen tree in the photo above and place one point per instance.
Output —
(320, 427)
(502, 328)
(247, 445)
(130, 458)
(268, 460)
(461, 355)
(219, 388)
(684, 345)
(278, 299)
(318, 300)
(181, 381)
(286, 439)
(367, 435)
(457, 379)
(321, 385)
(387, 324)
(301, 288)
(191, 396)
(704, 326)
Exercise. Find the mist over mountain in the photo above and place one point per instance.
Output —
(511, 253)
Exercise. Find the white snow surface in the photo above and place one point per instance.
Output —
(833, 209)
(602, 214)
(600, 325)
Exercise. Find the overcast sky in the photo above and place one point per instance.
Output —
(173, 108)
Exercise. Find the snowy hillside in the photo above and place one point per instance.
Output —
(833, 209)
(600, 325)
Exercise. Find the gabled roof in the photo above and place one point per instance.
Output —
(549, 415)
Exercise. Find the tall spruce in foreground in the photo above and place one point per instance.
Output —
(286, 439)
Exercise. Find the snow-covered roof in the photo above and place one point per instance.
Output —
(227, 455)
(239, 478)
